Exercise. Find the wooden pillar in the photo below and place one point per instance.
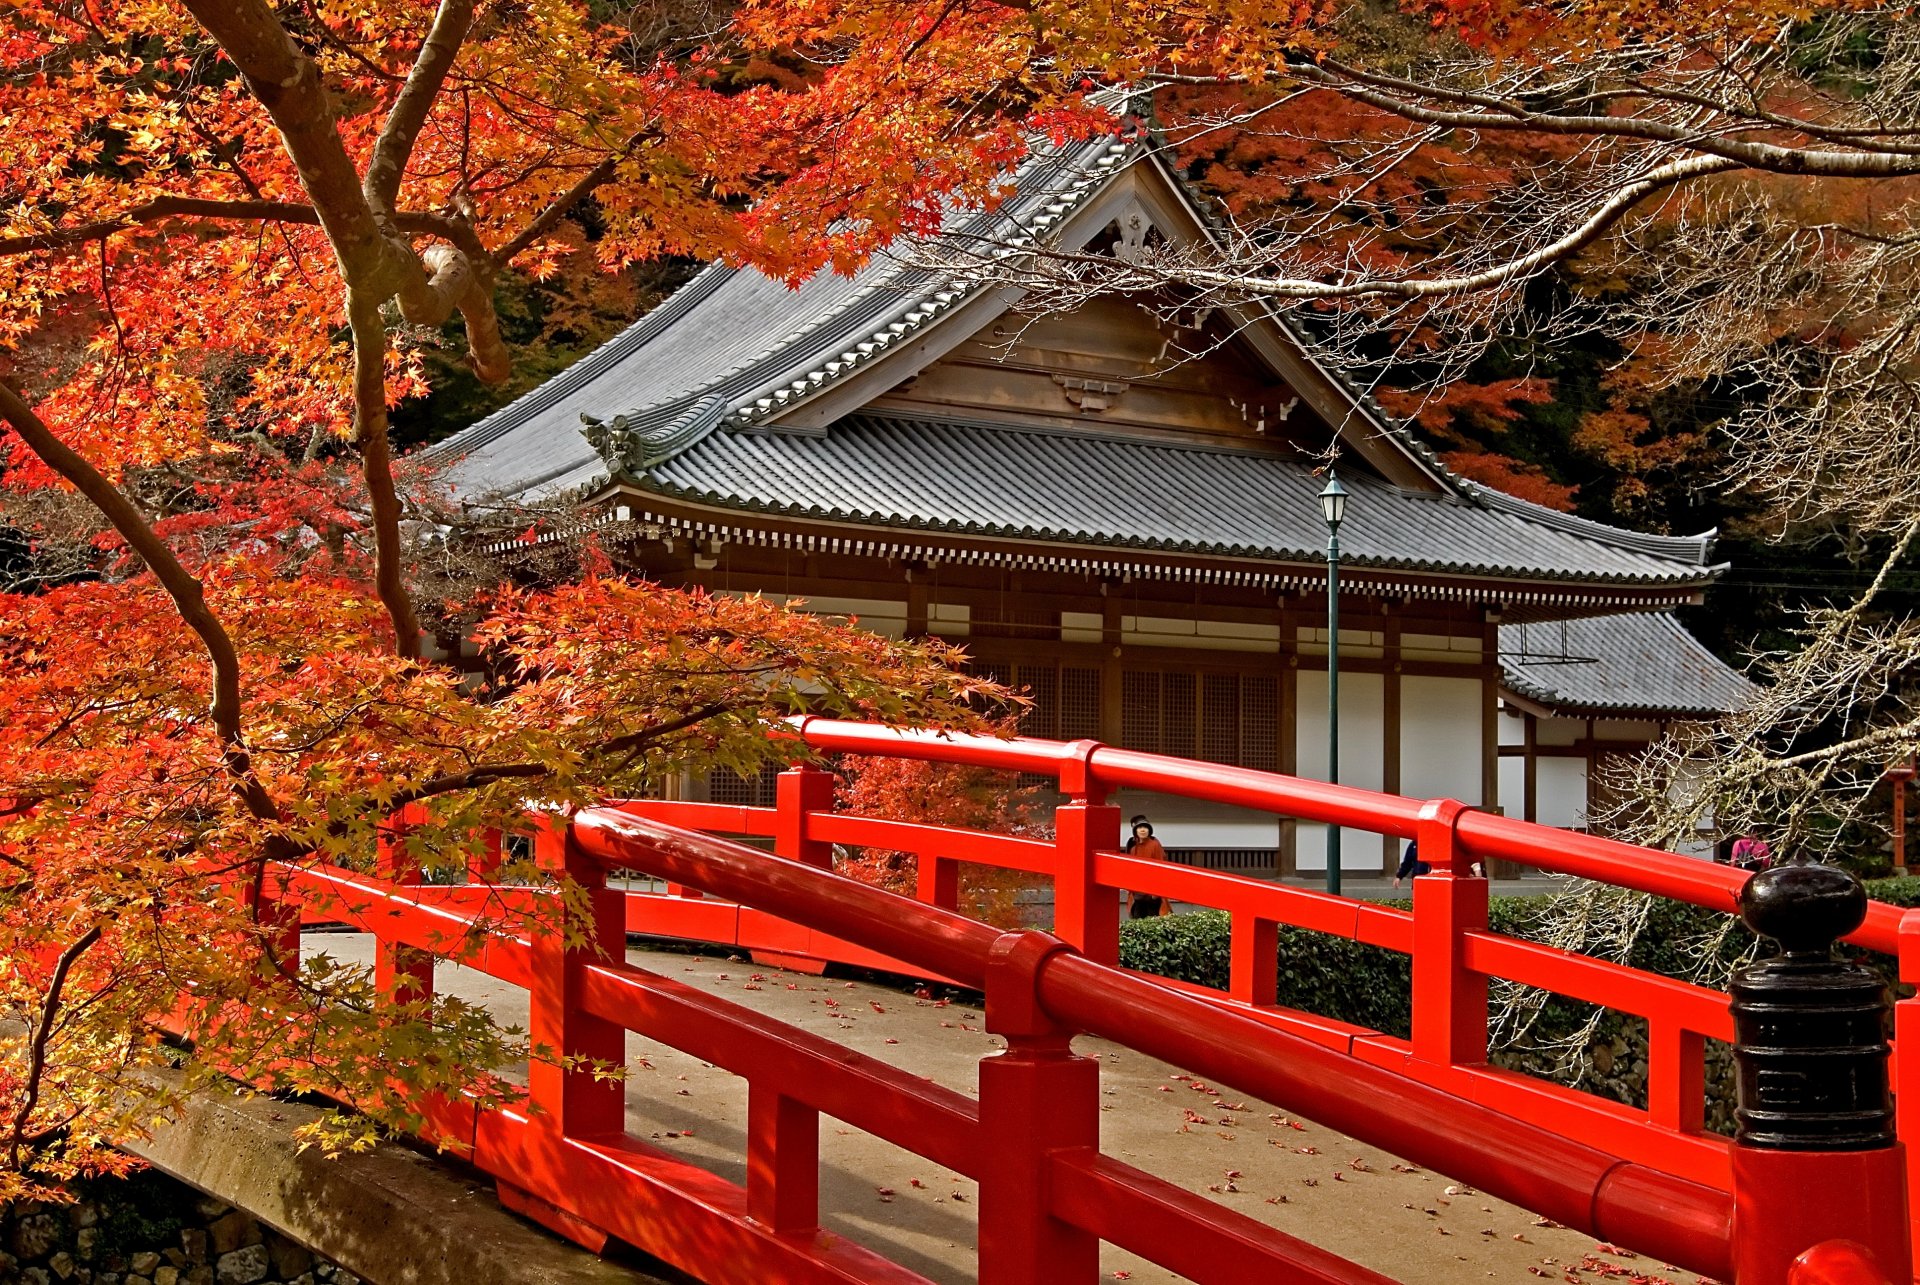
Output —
(1531, 788)
(1390, 718)
(1593, 764)
(1490, 728)
(1112, 689)
(1289, 733)
(918, 601)
(1490, 711)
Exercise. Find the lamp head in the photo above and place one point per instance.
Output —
(1333, 502)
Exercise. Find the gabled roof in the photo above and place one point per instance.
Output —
(739, 393)
(1644, 663)
(735, 347)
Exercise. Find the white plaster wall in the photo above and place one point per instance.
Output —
(1513, 787)
(888, 619)
(1214, 635)
(1561, 792)
(1560, 731)
(1362, 749)
(1440, 750)
(1196, 823)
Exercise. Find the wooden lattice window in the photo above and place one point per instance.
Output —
(1079, 703)
(1220, 717)
(1140, 710)
(756, 791)
(1043, 688)
(1179, 715)
(1260, 722)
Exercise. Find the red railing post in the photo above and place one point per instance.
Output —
(783, 1160)
(1906, 1060)
(403, 972)
(1253, 975)
(937, 881)
(1676, 1076)
(1085, 913)
(799, 792)
(278, 919)
(561, 1078)
(1815, 1156)
(1449, 999)
(483, 864)
(1037, 1099)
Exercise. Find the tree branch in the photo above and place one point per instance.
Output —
(162, 208)
(289, 86)
(188, 594)
(544, 222)
(1250, 284)
(42, 1033)
(1372, 89)
(408, 116)
(376, 462)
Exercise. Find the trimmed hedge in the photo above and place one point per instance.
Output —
(1372, 987)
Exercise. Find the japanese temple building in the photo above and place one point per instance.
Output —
(1118, 512)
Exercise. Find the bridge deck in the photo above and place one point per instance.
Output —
(1371, 1212)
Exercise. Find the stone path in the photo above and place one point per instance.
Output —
(1356, 1200)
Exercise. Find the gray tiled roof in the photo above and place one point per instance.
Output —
(1646, 662)
(676, 404)
(1071, 486)
(734, 346)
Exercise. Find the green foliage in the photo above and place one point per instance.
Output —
(143, 1209)
(1371, 986)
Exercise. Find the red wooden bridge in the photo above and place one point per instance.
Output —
(1654, 1181)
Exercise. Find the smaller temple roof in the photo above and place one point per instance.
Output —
(1644, 663)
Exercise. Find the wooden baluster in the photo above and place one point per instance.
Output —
(1037, 1099)
(799, 792)
(483, 864)
(1254, 966)
(1816, 1151)
(572, 1099)
(938, 882)
(403, 972)
(1676, 1076)
(1906, 1060)
(783, 1160)
(1085, 914)
(1449, 999)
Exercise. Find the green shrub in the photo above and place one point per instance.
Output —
(1372, 987)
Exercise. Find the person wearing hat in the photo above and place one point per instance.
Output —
(1141, 843)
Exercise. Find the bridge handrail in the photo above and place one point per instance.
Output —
(1083, 766)
(1584, 1187)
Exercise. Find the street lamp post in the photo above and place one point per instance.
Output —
(1333, 507)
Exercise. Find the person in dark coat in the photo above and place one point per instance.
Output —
(1411, 866)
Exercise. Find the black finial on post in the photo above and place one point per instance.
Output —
(1810, 1038)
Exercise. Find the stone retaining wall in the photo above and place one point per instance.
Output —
(149, 1229)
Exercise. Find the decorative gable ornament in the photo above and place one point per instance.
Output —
(1091, 396)
(632, 444)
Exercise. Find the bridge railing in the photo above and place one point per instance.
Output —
(1454, 953)
(1651, 1180)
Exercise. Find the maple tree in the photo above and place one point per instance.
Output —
(947, 795)
(230, 232)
